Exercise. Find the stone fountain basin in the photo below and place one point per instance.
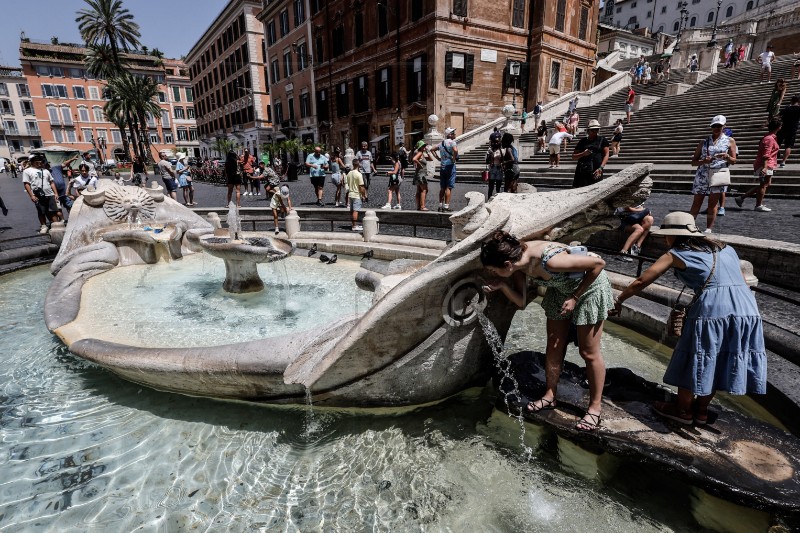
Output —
(256, 249)
(137, 232)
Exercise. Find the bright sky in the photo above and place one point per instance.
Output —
(172, 26)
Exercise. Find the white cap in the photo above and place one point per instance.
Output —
(719, 119)
(448, 131)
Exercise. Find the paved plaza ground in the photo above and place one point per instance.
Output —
(779, 225)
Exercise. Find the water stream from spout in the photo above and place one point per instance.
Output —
(503, 365)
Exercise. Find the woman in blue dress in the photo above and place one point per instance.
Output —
(721, 347)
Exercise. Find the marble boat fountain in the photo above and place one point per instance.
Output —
(366, 359)
(358, 360)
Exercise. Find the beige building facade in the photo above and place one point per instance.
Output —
(288, 37)
(227, 72)
(19, 130)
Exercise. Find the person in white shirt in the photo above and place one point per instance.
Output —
(40, 186)
(766, 60)
(555, 146)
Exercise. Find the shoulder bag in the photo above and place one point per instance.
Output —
(677, 316)
(718, 177)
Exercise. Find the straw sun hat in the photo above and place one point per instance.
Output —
(678, 224)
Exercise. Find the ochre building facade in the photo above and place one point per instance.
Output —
(380, 68)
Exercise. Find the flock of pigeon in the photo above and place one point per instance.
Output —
(330, 260)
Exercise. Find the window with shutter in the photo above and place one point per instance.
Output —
(66, 115)
(342, 100)
(383, 86)
(583, 27)
(358, 27)
(561, 14)
(460, 8)
(416, 77)
(555, 75)
(469, 67)
(322, 105)
(518, 14)
(383, 20)
(448, 68)
(52, 113)
(361, 90)
(416, 9)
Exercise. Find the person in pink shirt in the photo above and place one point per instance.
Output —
(764, 165)
(572, 122)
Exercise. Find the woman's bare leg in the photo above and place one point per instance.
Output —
(557, 332)
(589, 349)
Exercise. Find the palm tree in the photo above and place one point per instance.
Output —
(134, 97)
(223, 146)
(100, 62)
(107, 22)
(107, 28)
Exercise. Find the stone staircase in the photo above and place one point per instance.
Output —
(666, 132)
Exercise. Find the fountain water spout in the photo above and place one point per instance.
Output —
(234, 222)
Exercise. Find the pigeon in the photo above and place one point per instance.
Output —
(324, 258)
(313, 250)
(333, 259)
(368, 254)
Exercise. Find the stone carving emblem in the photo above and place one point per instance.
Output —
(125, 203)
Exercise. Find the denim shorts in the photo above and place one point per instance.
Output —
(447, 176)
(170, 184)
(355, 204)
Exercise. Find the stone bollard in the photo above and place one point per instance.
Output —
(370, 224)
(747, 271)
(213, 219)
(57, 231)
(292, 224)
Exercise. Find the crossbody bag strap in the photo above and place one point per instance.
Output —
(708, 279)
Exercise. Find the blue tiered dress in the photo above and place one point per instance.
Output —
(722, 344)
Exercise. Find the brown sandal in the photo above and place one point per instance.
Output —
(590, 422)
(541, 404)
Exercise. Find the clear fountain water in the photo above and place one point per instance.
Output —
(83, 450)
(183, 303)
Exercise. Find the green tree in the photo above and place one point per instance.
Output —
(223, 146)
(136, 97)
(107, 22)
(108, 28)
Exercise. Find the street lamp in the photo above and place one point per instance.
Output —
(681, 24)
(713, 41)
(513, 71)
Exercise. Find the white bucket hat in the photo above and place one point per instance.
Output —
(678, 224)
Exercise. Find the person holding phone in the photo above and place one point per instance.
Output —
(578, 293)
(591, 153)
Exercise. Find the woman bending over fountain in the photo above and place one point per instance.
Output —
(578, 292)
(721, 346)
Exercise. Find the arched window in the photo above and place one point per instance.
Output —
(749, 5)
(676, 26)
(729, 12)
(710, 17)
(661, 29)
(83, 113)
(693, 22)
(98, 114)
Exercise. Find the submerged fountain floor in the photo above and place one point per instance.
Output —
(86, 451)
(182, 303)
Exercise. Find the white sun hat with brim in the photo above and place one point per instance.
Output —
(678, 224)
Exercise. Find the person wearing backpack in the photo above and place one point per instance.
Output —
(510, 164)
(447, 153)
(403, 155)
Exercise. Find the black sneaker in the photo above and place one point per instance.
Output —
(320, 204)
